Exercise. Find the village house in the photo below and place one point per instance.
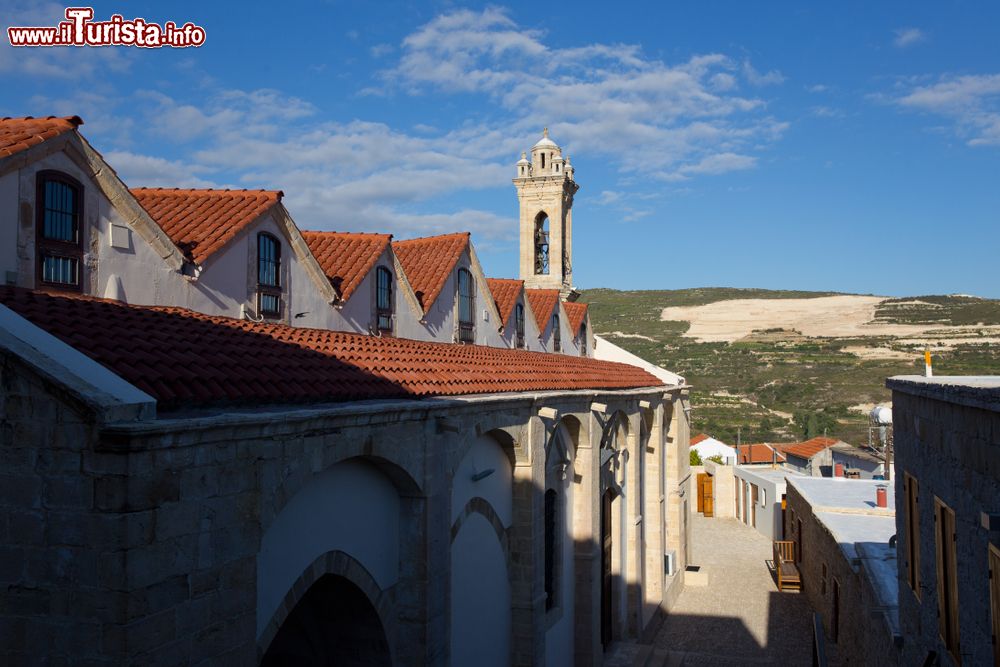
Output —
(201, 472)
(946, 433)
(843, 532)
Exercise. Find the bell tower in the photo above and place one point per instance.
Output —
(545, 189)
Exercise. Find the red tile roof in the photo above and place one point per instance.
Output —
(200, 222)
(429, 261)
(185, 358)
(701, 437)
(346, 258)
(505, 292)
(576, 313)
(759, 453)
(20, 134)
(807, 449)
(542, 301)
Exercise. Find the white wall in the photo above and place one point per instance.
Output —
(509, 336)
(712, 447)
(9, 224)
(769, 492)
(480, 585)
(480, 597)
(352, 507)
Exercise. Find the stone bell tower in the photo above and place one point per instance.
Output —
(545, 189)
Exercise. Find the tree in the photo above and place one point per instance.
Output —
(813, 424)
(716, 458)
(695, 458)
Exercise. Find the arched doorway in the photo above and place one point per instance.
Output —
(334, 623)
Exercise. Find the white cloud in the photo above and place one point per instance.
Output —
(155, 172)
(755, 78)
(817, 88)
(608, 197)
(719, 163)
(825, 112)
(908, 37)
(602, 99)
(57, 62)
(380, 50)
(971, 101)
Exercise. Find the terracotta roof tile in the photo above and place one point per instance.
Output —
(346, 258)
(701, 437)
(759, 453)
(543, 302)
(807, 449)
(201, 222)
(505, 292)
(576, 313)
(20, 134)
(429, 261)
(183, 358)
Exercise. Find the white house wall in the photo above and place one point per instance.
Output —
(350, 507)
(9, 224)
(509, 336)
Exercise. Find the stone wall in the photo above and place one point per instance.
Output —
(131, 543)
(862, 636)
(949, 441)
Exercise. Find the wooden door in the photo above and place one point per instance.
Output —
(606, 546)
(701, 491)
(706, 497)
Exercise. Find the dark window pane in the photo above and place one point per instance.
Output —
(60, 214)
(383, 298)
(270, 304)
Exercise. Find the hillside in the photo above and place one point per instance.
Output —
(787, 364)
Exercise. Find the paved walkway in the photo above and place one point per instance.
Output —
(740, 618)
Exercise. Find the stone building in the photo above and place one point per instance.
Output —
(185, 480)
(947, 462)
(846, 556)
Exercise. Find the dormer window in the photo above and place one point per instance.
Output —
(268, 276)
(383, 299)
(519, 325)
(466, 307)
(59, 233)
(583, 339)
(556, 334)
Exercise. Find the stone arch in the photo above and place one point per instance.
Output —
(302, 472)
(481, 507)
(351, 507)
(540, 242)
(333, 563)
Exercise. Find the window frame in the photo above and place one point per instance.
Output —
(385, 325)
(519, 326)
(466, 328)
(583, 339)
(945, 536)
(265, 289)
(45, 246)
(911, 489)
(556, 331)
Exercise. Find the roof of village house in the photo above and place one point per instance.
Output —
(20, 134)
(505, 292)
(181, 357)
(576, 313)
(428, 262)
(542, 301)
(759, 453)
(346, 258)
(807, 449)
(201, 222)
(695, 439)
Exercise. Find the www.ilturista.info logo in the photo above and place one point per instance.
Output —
(79, 29)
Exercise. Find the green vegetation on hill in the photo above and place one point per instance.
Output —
(781, 385)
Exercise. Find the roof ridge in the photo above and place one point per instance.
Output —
(435, 237)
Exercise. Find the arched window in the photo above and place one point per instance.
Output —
(383, 299)
(556, 334)
(543, 160)
(466, 307)
(542, 244)
(519, 324)
(268, 275)
(550, 547)
(583, 339)
(59, 233)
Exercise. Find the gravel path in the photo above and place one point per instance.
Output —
(740, 618)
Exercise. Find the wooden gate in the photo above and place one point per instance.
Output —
(705, 495)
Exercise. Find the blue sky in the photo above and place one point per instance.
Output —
(826, 146)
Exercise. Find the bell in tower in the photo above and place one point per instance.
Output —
(545, 189)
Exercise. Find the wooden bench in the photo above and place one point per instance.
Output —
(784, 565)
